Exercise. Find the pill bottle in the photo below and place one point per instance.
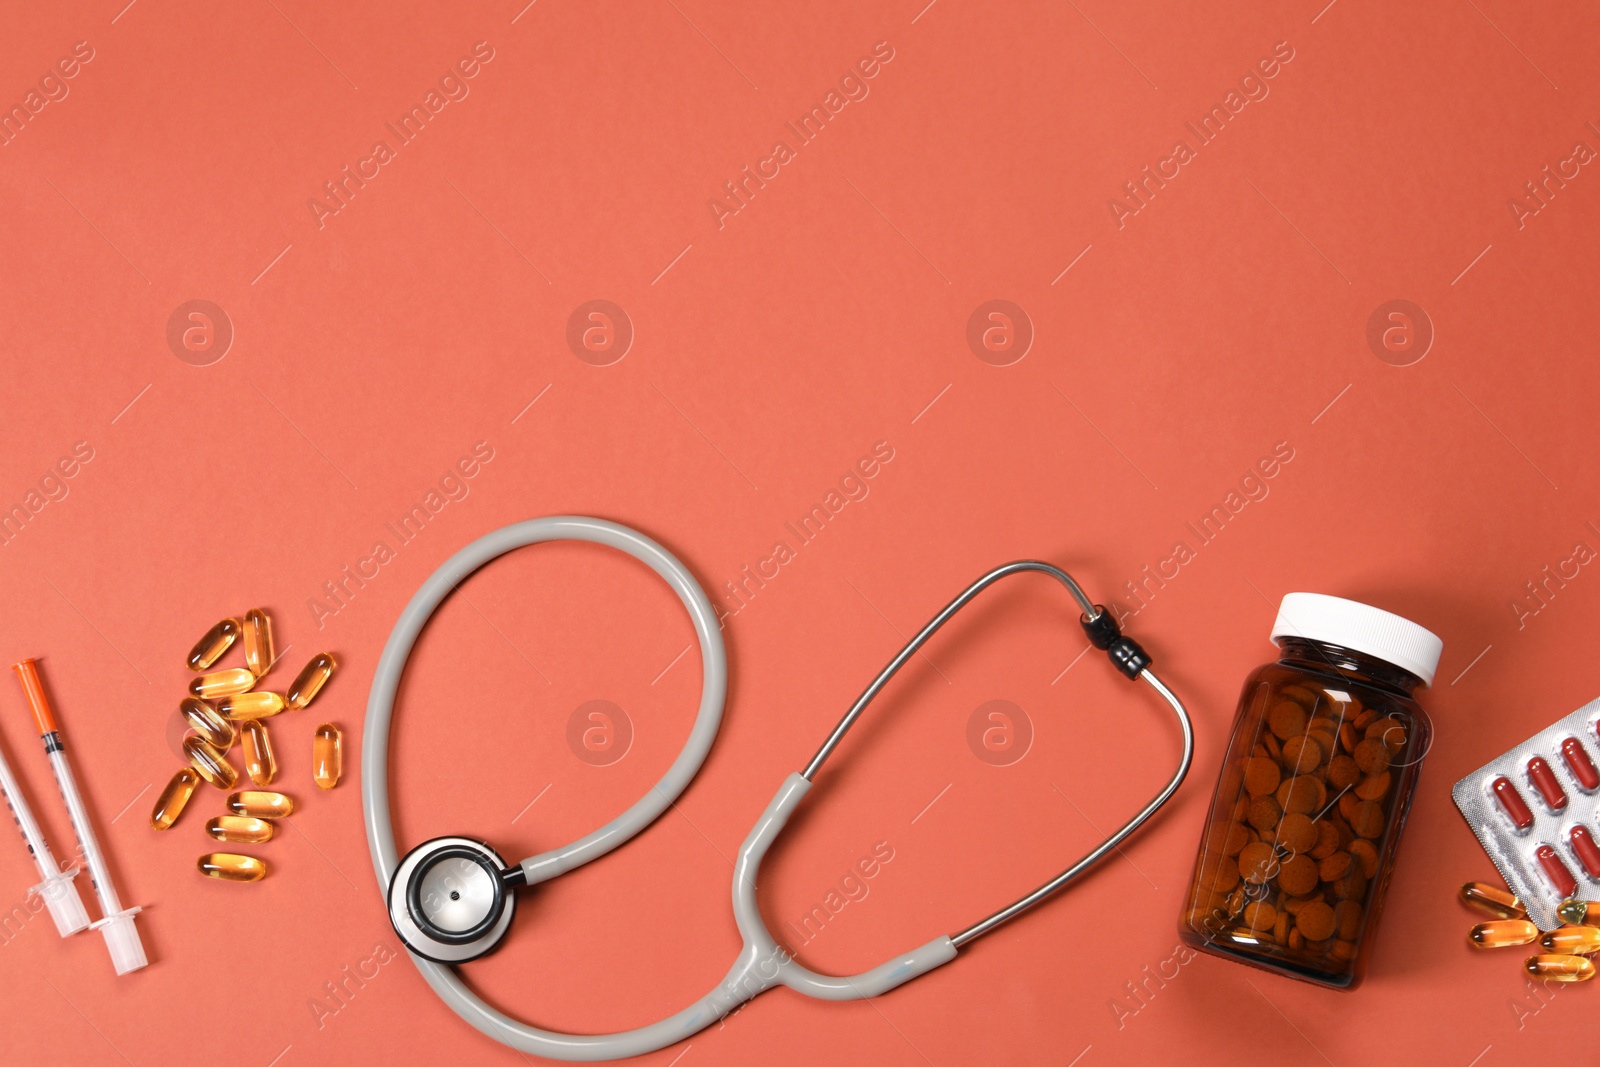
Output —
(1315, 785)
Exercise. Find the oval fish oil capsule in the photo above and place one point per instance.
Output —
(212, 765)
(261, 804)
(257, 705)
(222, 683)
(312, 677)
(1511, 802)
(259, 761)
(254, 831)
(203, 719)
(1579, 913)
(1573, 940)
(258, 650)
(1492, 900)
(1545, 781)
(231, 867)
(327, 755)
(1496, 934)
(174, 798)
(1560, 968)
(210, 648)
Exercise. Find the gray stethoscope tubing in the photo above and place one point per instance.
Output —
(761, 963)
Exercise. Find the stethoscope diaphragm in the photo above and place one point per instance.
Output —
(450, 899)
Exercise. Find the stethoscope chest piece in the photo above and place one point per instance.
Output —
(452, 899)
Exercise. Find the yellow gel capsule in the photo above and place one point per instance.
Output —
(1504, 932)
(327, 756)
(261, 804)
(312, 677)
(1573, 940)
(203, 719)
(1579, 913)
(240, 828)
(1560, 968)
(210, 648)
(212, 765)
(173, 799)
(232, 868)
(1492, 900)
(258, 652)
(259, 761)
(257, 705)
(222, 683)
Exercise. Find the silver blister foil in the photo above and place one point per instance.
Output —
(1512, 850)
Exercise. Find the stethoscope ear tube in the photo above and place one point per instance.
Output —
(1104, 633)
(1099, 852)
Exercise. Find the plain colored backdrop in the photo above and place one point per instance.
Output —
(1171, 344)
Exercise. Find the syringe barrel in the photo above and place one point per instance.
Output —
(56, 889)
(99, 874)
(31, 834)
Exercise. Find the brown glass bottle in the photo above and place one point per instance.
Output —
(1314, 790)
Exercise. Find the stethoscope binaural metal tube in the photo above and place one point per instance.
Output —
(1092, 613)
(762, 962)
(944, 616)
(1095, 855)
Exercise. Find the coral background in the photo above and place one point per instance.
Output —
(1147, 359)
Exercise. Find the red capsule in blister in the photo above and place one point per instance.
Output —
(1511, 803)
(1579, 763)
(1556, 871)
(1584, 847)
(1544, 780)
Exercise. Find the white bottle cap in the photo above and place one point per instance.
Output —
(1360, 628)
(122, 941)
(66, 907)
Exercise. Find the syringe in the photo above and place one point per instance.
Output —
(115, 923)
(57, 890)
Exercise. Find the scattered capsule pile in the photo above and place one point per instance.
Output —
(1567, 949)
(224, 708)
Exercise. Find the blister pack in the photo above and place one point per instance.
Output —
(1536, 811)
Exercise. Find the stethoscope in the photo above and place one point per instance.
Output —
(452, 899)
